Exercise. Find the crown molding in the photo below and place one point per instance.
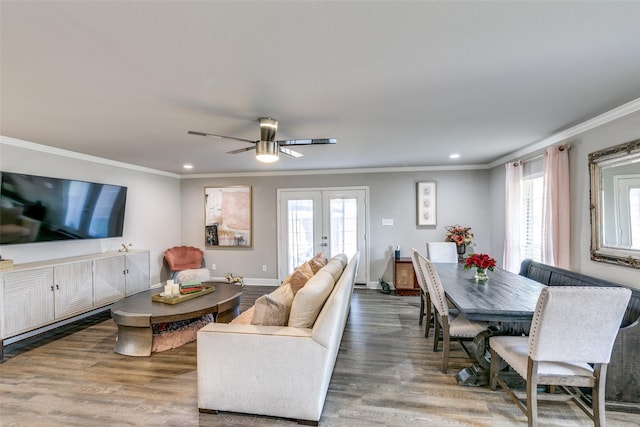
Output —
(6, 140)
(602, 119)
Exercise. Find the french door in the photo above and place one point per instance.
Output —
(331, 221)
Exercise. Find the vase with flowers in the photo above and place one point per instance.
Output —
(482, 263)
(461, 236)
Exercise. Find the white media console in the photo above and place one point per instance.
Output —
(40, 296)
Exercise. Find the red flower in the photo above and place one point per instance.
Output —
(480, 261)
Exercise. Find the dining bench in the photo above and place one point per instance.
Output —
(623, 373)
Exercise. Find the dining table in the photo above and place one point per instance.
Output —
(504, 297)
(506, 301)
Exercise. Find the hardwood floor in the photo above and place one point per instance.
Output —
(385, 375)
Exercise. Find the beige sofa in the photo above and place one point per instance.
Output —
(279, 371)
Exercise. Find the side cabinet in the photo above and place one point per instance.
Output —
(121, 275)
(137, 272)
(404, 277)
(109, 279)
(40, 296)
(33, 298)
(28, 300)
(73, 291)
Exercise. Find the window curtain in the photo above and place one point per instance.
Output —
(556, 208)
(511, 255)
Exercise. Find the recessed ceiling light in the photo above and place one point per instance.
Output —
(187, 166)
(454, 156)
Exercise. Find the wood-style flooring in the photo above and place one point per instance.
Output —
(385, 375)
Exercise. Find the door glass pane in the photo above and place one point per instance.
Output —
(344, 226)
(300, 239)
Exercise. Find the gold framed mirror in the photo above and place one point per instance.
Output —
(615, 204)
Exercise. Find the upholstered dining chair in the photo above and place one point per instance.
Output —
(454, 326)
(425, 299)
(569, 345)
(442, 252)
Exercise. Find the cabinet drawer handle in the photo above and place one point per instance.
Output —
(51, 288)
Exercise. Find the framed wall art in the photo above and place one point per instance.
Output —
(426, 203)
(228, 221)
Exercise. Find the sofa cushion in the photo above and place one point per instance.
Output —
(334, 267)
(273, 309)
(309, 300)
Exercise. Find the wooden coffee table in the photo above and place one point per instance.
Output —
(134, 315)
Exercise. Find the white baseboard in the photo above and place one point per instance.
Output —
(248, 281)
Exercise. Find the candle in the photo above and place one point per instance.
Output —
(175, 288)
(168, 289)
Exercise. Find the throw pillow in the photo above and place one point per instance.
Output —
(309, 300)
(321, 258)
(315, 265)
(192, 275)
(299, 277)
(273, 309)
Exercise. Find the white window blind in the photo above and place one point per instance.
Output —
(531, 210)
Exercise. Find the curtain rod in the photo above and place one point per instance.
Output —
(560, 147)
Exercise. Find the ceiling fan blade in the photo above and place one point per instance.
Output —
(193, 132)
(289, 152)
(308, 141)
(241, 150)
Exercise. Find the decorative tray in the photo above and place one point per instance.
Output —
(176, 299)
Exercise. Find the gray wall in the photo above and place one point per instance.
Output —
(152, 218)
(462, 197)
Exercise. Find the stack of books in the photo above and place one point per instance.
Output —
(190, 287)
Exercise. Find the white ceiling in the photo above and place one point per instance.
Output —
(397, 83)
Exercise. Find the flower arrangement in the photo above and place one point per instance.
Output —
(482, 263)
(459, 235)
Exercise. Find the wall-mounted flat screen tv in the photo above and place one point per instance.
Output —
(43, 209)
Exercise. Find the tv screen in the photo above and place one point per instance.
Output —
(42, 209)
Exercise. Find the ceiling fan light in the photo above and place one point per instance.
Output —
(267, 151)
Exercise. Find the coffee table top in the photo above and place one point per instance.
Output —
(158, 312)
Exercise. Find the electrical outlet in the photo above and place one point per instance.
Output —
(213, 267)
(264, 268)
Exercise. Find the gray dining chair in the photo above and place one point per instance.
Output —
(455, 326)
(442, 252)
(425, 300)
(569, 345)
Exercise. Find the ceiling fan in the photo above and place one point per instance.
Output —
(267, 148)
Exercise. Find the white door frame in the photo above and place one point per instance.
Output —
(364, 253)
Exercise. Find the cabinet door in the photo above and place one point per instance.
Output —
(109, 280)
(28, 300)
(73, 288)
(137, 272)
(404, 276)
